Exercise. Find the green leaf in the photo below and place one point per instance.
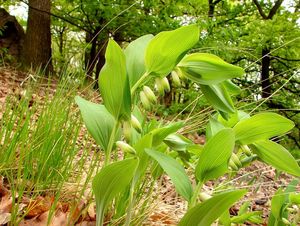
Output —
(114, 84)
(177, 142)
(231, 87)
(135, 58)
(167, 48)
(160, 134)
(261, 127)
(175, 171)
(98, 121)
(213, 160)
(277, 203)
(254, 217)
(213, 127)
(110, 181)
(224, 219)
(140, 146)
(208, 69)
(218, 97)
(205, 213)
(233, 119)
(277, 156)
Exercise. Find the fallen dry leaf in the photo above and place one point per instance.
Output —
(59, 219)
(4, 218)
(38, 206)
(91, 211)
(86, 223)
(6, 204)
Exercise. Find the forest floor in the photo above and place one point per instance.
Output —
(261, 181)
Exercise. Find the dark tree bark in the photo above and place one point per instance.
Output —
(211, 7)
(265, 73)
(37, 48)
(100, 61)
(266, 58)
(90, 56)
(12, 35)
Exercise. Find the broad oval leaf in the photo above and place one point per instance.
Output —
(218, 97)
(175, 171)
(160, 134)
(135, 58)
(208, 69)
(167, 48)
(140, 147)
(277, 156)
(213, 160)
(177, 142)
(213, 127)
(233, 119)
(98, 121)
(205, 213)
(110, 181)
(231, 87)
(261, 127)
(114, 84)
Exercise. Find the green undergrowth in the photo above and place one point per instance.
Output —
(42, 147)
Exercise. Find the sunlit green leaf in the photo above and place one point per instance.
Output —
(177, 142)
(277, 204)
(213, 127)
(160, 134)
(213, 160)
(135, 58)
(205, 213)
(167, 48)
(261, 127)
(277, 156)
(254, 217)
(218, 97)
(140, 147)
(208, 69)
(110, 181)
(175, 171)
(231, 87)
(114, 83)
(99, 122)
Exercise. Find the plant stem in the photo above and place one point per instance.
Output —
(130, 204)
(110, 144)
(195, 195)
(139, 82)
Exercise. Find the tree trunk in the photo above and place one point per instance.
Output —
(37, 47)
(265, 73)
(101, 61)
(11, 36)
(211, 9)
(90, 56)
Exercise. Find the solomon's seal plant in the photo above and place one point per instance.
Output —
(234, 138)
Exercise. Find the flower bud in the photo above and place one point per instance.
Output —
(145, 102)
(175, 79)
(236, 160)
(127, 131)
(125, 147)
(159, 87)
(204, 196)
(285, 221)
(149, 94)
(136, 124)
(232, 165)
(246, 150)
(165, 84)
